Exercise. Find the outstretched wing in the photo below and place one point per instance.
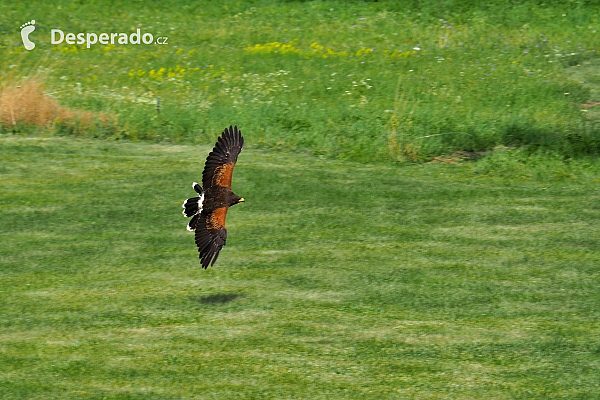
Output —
(211, 235)
(221, 160)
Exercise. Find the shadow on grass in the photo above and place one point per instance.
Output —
(219, 298)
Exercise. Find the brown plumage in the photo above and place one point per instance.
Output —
(209, 210)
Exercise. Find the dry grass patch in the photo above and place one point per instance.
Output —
(28, 104)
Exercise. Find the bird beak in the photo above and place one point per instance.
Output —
(242, 200)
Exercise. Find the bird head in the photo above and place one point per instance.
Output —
(237, 199)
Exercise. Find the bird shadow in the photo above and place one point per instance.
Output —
(218, 298)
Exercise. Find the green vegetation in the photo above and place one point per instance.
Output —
(339, 280)
(370, 260)
(356, 80)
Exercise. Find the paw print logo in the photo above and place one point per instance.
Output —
(26, 29)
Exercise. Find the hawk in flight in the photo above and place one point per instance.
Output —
(209, 209)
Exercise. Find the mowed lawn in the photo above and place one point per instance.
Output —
(339, 280)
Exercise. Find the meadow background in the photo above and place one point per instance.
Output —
(363, 81)
(422, 203)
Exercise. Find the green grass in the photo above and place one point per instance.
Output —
(339, 280)
(344, 276)
(340, 79)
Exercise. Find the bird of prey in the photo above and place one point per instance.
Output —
(209, 209)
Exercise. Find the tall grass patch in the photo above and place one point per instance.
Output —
(26, 106)
(324, 75)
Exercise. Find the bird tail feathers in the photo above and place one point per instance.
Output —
(191, 226)
(193, 205)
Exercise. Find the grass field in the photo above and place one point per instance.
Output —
(422, 201)
(362, 81)
(339, 280)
